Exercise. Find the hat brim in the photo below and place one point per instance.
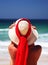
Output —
(31, 39)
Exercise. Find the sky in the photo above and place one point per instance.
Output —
(34, 9)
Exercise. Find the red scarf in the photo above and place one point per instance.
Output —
(22, 52)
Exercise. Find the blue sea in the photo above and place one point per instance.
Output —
(42, 28)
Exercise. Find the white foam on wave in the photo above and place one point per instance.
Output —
(42, 40)
(43, 44)
(4, 46)
(43, 34)
(5, 29)
(4, 43)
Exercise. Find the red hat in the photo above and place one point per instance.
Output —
(23, 32)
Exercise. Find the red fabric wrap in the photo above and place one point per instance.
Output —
(22, 52)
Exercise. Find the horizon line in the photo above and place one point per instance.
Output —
(27, 18)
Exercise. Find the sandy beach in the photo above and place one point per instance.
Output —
(43, 60)
(5, 59)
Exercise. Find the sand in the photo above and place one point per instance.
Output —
(43, 60)
(5, 59)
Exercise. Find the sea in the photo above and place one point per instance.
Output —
(41, 26)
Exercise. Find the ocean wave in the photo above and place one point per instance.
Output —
(43, 34)
(4, 40)
(43, 38)
(6, 29)
(4, 43)
(3, 50)
(4, 46)
(43, 44)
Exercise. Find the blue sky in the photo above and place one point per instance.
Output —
(34, 9)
